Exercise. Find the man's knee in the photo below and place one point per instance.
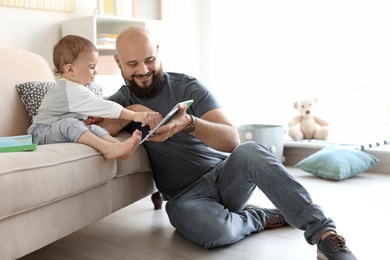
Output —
(251, 151)
(200, 226)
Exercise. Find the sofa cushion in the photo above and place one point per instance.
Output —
(50, 173)
(31, 94)
(18, 66)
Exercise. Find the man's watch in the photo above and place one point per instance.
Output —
(191, 127)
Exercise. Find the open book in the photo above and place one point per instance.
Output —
(168, 117)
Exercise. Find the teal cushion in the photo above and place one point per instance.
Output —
(337, 163)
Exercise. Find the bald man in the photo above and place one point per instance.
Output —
(201, 169)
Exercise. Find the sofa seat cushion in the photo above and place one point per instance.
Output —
(50, 173)
(138, 161)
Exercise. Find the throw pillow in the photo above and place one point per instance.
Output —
(32, 93)
(337, 163)
(96, 89)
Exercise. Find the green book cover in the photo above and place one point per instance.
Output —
(18, 148)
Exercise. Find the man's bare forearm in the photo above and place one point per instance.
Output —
(215, 130)
(218, 136)
(113, 126)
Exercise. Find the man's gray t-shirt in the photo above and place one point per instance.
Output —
(181, 159)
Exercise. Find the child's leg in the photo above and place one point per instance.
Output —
(110, 139)
(102, 133)
(111, 150)
(74, 130)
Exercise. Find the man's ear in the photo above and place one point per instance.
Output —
(118, 63)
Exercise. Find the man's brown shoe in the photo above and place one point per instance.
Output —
(273, 217)
(334, 247)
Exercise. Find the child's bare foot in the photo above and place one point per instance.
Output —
(123, 149)
(116, 150)
(133, 141)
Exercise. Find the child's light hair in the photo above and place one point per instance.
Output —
(68, 49)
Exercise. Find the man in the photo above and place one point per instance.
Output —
(199, 165)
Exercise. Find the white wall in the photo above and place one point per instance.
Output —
(37, 31)
(179, 48)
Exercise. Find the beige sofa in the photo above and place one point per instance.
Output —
(57, 189)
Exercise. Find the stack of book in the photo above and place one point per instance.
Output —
(17, 143)
(106, 39)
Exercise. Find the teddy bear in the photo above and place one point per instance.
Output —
(311, 126)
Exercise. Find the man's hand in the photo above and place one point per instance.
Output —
(175, 125)
(213, 129)
(92, 120)
(113, 126)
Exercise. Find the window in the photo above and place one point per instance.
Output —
(267, 54)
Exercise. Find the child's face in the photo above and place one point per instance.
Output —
(84, 68)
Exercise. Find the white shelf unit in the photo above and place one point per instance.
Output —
(90, 26)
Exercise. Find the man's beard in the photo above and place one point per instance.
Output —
(146, 92)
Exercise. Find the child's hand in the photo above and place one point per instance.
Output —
(147, 118)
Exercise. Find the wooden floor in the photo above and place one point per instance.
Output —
(359, 206)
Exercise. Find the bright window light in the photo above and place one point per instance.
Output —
(267, 54)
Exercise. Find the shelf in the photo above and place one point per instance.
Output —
(105, 47)
(90, 26)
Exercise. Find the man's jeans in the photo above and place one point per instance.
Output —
(210, 211)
